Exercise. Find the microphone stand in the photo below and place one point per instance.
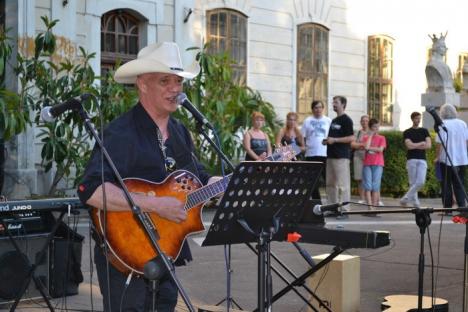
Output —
(145, 222)
(230, 302)
(423, 220)
(460, 182)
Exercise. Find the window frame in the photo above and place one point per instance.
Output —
(223, 41)
(380, 78)
(130, 22)
(319, 57)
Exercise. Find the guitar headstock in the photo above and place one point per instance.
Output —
(285, 152)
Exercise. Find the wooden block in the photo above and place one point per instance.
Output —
(338, 284)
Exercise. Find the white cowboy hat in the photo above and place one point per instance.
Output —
(156, 58)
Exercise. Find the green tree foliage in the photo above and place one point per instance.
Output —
(66, 143)
(14, 114)
(228, 105)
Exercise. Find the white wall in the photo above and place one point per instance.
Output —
(272, 34)
(409, 23)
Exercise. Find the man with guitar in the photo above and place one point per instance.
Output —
(146, 144)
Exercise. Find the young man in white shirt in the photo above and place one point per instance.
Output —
(315, 130)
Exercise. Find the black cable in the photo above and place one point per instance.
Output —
(433, 290)
(438, 252)
(91, 266)
(123, 295)
(411, 264)
(384, 251)
(322, 277)
(104, 208)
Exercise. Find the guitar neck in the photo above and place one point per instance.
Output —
(206, 192)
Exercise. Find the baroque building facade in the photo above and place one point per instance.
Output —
(290, 51)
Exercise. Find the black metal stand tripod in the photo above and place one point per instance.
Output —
(423, 220)
(230, 301)
(260, 203)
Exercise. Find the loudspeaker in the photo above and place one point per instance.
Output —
(65, 262)
(14, 266)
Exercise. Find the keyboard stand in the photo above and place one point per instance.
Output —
(300, 280)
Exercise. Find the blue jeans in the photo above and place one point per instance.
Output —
(371, 178)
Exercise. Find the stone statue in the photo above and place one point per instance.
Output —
(438, 74)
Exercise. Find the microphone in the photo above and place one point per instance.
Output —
(320, 209)
(437, 121)
(49, 113)
(184, 101)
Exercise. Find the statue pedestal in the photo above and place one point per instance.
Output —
(437, 99)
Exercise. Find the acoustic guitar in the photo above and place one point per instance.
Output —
(130, 248)
(409, 303)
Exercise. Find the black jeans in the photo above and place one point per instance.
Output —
(320, 182)
(138, 296)
(449, 182)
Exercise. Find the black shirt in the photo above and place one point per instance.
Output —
(132, 143)
(341, 126)
(416, 136)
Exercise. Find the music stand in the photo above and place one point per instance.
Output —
(262, 202)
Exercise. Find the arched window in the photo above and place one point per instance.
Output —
(380, 79)
(120, 38)
(227, 32)
(312, 67)
(462, 62)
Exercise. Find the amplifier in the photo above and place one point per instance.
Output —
(26, 222)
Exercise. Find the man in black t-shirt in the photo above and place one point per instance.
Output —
(338, 143)
(417, 141)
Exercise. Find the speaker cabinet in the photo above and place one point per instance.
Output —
(65, 262)
(14, 266)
